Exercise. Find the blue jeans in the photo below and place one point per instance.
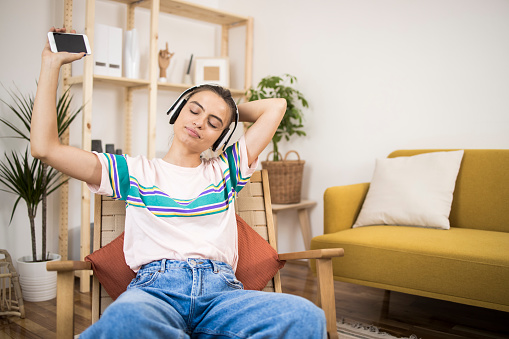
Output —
(203, 299)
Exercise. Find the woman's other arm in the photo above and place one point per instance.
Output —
(265, 115)
(44, 142)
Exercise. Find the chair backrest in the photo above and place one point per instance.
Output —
(252, 204)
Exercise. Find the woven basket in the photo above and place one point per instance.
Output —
(285, 179)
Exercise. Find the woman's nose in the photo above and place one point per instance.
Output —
(199, 122)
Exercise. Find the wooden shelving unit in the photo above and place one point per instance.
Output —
(88, 79)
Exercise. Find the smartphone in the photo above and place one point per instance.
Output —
(68, 42)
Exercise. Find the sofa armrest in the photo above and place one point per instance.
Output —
(342, 205)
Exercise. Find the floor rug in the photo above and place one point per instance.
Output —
(349, 329)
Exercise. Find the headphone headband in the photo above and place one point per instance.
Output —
(177, 106)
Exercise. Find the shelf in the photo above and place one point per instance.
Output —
(104, 79)
(182, 87)
(193, 11)
(134, 83)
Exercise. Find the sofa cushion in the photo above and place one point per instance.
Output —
(412, 191)
(481, 195)
(461, 265)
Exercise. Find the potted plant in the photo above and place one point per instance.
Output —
(32, 180)
(285, 175)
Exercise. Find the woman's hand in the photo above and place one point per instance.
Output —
(44, 141)
(56, 60)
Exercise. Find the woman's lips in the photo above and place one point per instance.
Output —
(192, 132)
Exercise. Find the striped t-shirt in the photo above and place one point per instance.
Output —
(175, 212)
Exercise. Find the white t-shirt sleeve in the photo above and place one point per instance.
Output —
(114, 176)
(238, 161)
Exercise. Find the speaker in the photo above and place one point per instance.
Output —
(177, 106)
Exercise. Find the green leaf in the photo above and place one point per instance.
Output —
(14, 209)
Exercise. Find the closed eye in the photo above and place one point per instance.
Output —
(215, 121)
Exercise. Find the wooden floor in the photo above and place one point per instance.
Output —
(402, 314)
(406, 314)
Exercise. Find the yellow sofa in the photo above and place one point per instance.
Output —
(469, 263)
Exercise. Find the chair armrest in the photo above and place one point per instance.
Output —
(325, 289)
(313, 254)
(342, 205)
(68, 265)
(65, 293)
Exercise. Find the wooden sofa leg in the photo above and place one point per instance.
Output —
(65, 304)
(385, 305)
(326, 297)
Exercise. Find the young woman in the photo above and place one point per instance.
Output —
(180, 232)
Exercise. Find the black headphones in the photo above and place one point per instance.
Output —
(177, 106)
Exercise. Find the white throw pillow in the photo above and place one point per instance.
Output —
(412, 191)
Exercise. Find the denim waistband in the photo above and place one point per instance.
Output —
(166, 264)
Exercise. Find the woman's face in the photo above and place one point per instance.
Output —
(201, 121)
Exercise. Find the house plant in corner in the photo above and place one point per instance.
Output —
(31, 180)
(285, 175)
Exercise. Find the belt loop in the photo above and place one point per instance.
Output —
(215, 266)
(163, 265)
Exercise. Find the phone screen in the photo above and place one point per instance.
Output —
(72, 43)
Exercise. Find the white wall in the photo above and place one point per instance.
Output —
(23, 27)
(379, 76)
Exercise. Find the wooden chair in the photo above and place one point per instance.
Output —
(252, 204)
(11, 299)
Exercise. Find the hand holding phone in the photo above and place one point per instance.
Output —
(68, 42)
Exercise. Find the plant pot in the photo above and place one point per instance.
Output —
(285, 179)
(37, 284)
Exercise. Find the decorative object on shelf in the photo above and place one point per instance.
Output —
(131, 55)
(164, 61)
(97, 146)
(187, 77)
(32, 180)
(291, 124)
(110, 148)
(212, 70)
(108, 50)
(285, 178)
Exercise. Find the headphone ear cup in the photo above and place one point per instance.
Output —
(177, 111)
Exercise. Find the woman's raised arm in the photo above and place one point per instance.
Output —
(266, 114)
(44, 142)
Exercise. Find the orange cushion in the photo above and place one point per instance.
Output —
(110, 267)
(258, 262)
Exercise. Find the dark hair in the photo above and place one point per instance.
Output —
(225, 94)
